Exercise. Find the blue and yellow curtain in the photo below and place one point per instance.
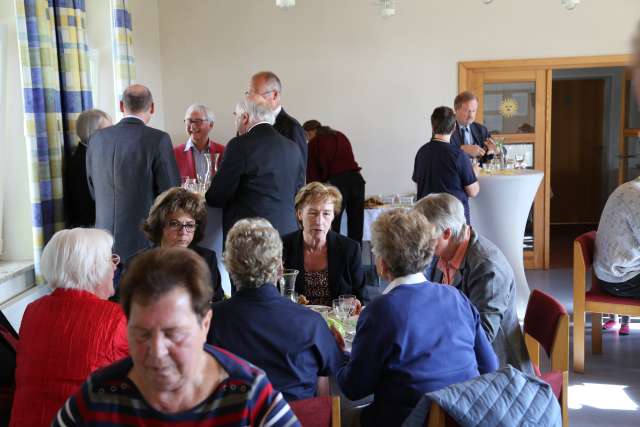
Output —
(123, 59)
(55, 80)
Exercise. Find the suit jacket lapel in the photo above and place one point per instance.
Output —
(477, 135)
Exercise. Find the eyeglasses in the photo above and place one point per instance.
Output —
(175, 225)
(249, 92)
(198, 122)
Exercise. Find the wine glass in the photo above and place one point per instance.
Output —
(519, 160)
(347, 304)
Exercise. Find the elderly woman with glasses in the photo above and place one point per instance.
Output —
(330, 264)
(178, 218)
(289, 341)
(477, 268)
(73, 331)
(418, 336)
(172, 377)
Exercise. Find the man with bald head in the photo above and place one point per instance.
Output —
(128, 165)
(265, 87)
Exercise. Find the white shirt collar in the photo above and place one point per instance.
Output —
(133, 116)
(277, 110)
(410, 279)
(189, 145)
(256, 124)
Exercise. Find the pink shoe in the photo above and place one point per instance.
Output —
(624, 329)
(609, 324)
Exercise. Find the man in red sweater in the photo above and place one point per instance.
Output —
(190, 156)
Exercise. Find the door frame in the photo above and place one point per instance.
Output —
(466, 72)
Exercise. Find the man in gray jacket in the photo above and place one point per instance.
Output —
(480, 271)
(128, 165)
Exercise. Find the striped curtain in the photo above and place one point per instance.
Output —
(55, 82)
(123, 59)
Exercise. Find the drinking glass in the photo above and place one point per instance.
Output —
(338, 309)
(519, 160)
(347, 304)
(287, 282)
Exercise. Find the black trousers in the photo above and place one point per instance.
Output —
(628, 289)
(351, 186)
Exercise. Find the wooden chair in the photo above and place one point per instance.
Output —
(594, 301)
(439, 418)
(546, 324)
(323, 411)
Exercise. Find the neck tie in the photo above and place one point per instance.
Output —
(466, 135)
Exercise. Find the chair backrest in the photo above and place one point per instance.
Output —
(547, 322)
(439, 418)
(587, 243)
(323, 411)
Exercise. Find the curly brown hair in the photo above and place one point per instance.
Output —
(172, 200)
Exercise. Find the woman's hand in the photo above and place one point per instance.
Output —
(357, 307)
(338, 336)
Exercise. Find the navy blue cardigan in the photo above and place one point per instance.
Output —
(413, 340)
(290, 342)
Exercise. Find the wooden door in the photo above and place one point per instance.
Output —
(578, 146)
(629, 146)
(514, 105)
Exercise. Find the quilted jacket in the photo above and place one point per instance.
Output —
(503, 398)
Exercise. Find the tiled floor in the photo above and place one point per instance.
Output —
(608, 393)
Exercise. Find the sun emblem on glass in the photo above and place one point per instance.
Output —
(508, 107)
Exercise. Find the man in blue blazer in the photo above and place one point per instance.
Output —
(260, 173)
(471, 137)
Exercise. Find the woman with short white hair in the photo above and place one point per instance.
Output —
(418, 336)
(479, 269)
(73, 331)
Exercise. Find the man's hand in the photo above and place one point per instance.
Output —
(338, 337)
(473, 150)
(357, 309)
(491, 146)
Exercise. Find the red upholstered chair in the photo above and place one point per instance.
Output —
(546, 324)
(323, 411)
(594, 301)
(8, 345)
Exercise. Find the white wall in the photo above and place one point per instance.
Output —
(100, 50)
(148, 51)
(375, 79)
(16, 208)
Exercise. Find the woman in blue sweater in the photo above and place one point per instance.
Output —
(418, 336)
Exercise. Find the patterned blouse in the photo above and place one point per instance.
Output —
(316, 287)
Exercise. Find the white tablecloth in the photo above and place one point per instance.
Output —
(212, 240)
(500, 212)
(370, 215)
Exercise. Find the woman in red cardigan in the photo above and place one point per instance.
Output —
(73, 331)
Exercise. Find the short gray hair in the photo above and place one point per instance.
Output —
(445, 212)
(253, 253)
(79, 258)
(200, 108)
(404, 239)
(137, 99)
(271, 80)
(89, 122)
(257, 111)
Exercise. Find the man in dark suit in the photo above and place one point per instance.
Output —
(266, 87)
(473, 138)
(260, 174)
(128, 165)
